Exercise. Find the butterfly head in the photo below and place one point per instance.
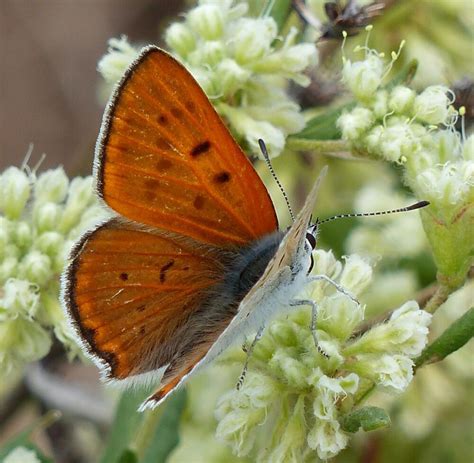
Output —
(311, 241)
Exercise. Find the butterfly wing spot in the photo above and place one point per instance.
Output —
(222, 177)
(198, 202)
(163, 164)
(190, 106)
(163, 120)
(176, 112)
(164, 269)
(201, 148)
(152, 184)
(124, 276)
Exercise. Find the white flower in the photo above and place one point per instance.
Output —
(33, 250)
(448, 185)
(19, 299)
(180, 37)
(21, 455)
(364, 77)
(327, 438)
(405, 333)
(207, 20)
(401, 99)
(356, 274)
(468, 149)
(119, 57)
(14, 192)
(252, 38)
(397, 140)
(379, 104)
(431, 106)
(51, 186)
(355, 123)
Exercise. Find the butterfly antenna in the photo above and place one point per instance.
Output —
(413, 207)
(264, 151)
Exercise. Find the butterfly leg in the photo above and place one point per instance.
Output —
(314, 318)
(336, 285)
(249, 353)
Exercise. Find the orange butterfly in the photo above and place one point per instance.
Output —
(193, 257)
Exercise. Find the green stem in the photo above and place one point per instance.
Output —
(452, 339)
(330, 147)
(439, 297)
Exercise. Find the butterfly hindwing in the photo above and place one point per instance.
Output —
(134, 297)
(164, 158)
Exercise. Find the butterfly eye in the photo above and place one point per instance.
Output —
(311, 265)
(311, 239)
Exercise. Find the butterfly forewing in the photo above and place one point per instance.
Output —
(165, 158)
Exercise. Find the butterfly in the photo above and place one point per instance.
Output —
(192, 257)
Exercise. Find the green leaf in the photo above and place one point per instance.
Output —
(323, 126)
(166, 435)
(367, 418)
(125, 423)
(280, 10)
(128, 456)
(458, 334)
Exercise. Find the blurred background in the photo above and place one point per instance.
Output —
(53, 97)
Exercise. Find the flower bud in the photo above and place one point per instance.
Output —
(380, 104)
(406, 333)
(180, 39)
(356, 274)
(47, 216)
(393, 372)
(36, 267)
(230, 76)
(8, 268)
(397, 141)
(15, 190)
(19, 299)
(355, 123)
(468, 149)
(118, 58)
(401, 99)
(52, 186)
(211, 53)
(50, 243)
(363, 77)
(431, 106)
(22, 234)
(207, 20)
(253, 38)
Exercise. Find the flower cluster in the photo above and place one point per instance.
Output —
(303, 392)
(242, 64)
(40, 218)
(22, 455)
(416, 131)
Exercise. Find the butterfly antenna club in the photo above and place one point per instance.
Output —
(413, 207)
(264, 151)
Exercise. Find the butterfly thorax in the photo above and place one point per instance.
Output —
(251, 263)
